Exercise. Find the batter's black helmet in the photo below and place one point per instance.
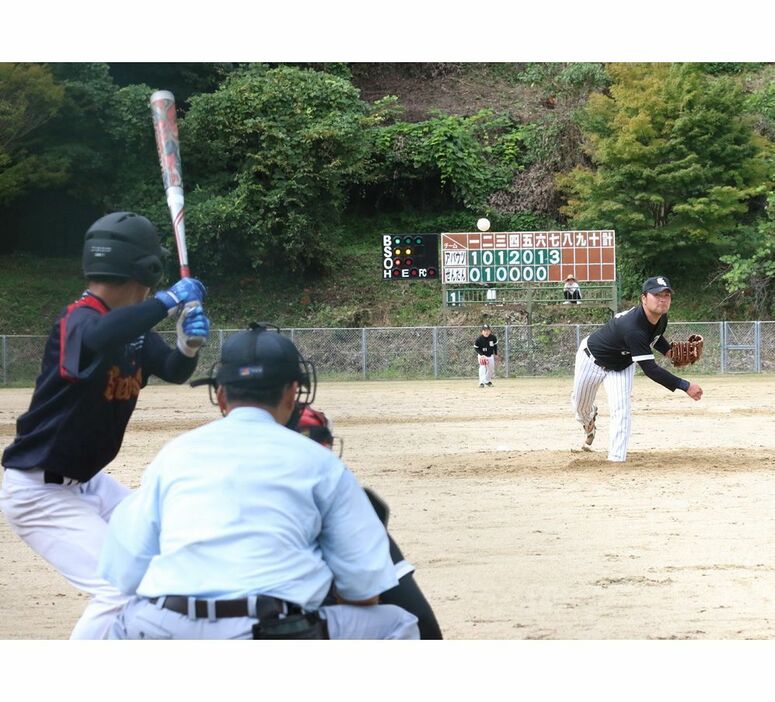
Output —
(124, 246)
(262, 358)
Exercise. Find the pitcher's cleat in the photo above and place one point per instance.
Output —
(590, 430)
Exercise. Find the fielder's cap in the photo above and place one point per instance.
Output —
(485, 326)
(657, 284)
(570, 277)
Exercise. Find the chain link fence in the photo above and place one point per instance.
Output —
(411, 353)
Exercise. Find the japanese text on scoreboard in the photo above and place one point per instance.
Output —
(540, 257)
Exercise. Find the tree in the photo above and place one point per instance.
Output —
(751, 277)
(29, 97)
(676, 162)
(269, 159)
(464, 158)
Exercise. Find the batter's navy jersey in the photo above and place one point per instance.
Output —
(486, 345)
(83, 399)
(627, 338)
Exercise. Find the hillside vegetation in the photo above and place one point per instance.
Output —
(293, 171)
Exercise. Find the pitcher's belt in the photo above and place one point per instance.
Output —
(594, 360)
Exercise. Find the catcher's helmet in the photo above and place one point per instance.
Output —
(316, 426)
(124, 246)
(262, 358)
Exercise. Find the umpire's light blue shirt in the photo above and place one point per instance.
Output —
(245, 506)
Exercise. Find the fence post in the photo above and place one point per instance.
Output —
(757, 340)
(435, 353)
(5, 360)
(506, 343)
(722, 337)
(363, 351)
(578, 335)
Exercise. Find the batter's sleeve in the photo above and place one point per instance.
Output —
(166, 363)
(354, 543)
(133, 536)
(122, 325)
(76, 360)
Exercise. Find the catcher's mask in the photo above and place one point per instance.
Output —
(261, 358)
(315, 425)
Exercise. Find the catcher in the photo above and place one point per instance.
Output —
(407, 594)
(608, 356)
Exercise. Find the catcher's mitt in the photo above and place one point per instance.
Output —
(682, 353)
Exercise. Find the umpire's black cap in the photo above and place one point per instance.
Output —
(261, 357)
(657, 284)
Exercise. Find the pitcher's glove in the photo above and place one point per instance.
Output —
(682, 353)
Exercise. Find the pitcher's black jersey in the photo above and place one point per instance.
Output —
(628, 338)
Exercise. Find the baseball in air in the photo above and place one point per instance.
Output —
(483, 224)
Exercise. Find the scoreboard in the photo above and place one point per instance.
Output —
(410, 257)
(530, 257)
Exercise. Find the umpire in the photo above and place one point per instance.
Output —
(241, 526)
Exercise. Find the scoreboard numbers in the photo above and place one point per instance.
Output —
(529, 257)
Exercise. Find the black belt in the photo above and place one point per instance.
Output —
(266, 607)
(56, 479)
(594, 360)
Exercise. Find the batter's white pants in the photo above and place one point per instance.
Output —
(486, 371)
(67, 525)
(587, 378)
(142, 619)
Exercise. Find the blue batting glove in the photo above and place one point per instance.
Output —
(185, 290)
(193, 328)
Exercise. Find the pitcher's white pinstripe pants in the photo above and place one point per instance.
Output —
(587, 378)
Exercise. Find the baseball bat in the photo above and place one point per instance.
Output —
(165, 127)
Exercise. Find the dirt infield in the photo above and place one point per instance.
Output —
(514, 535)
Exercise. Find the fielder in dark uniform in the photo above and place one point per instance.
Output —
(486, 347)
(608, 356)
(100, 354)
